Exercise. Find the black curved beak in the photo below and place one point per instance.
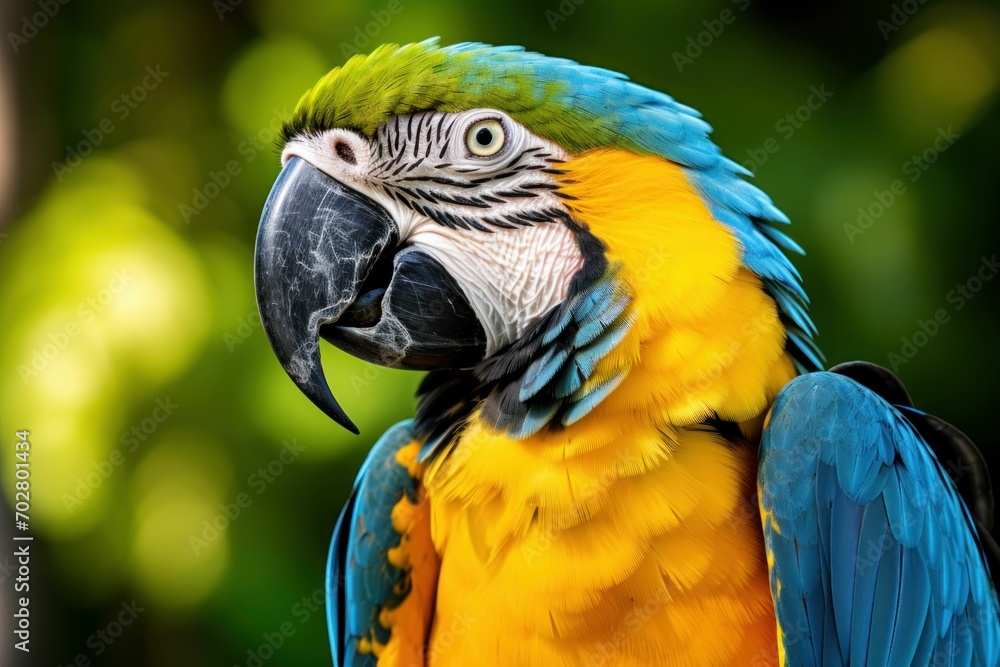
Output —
(327, 263)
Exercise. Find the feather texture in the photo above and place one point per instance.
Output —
(874, 556)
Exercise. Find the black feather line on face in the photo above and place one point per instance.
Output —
(425, 132)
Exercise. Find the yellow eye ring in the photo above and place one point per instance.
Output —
(486, 137)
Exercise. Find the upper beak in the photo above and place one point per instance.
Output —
(316, 243)
(317, 272)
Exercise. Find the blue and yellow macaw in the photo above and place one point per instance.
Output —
(625, 450)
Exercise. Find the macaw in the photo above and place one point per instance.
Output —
(625, 450)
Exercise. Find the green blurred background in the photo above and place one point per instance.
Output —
(129, 341)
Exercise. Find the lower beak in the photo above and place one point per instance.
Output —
(327, 263)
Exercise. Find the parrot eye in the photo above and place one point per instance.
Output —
(486, 137)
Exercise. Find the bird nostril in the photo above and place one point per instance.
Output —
(345, 152)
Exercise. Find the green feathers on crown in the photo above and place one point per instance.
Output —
(370, 89)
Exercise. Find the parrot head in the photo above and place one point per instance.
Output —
(517, 224)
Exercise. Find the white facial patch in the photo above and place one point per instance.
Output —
(511, 277)
(481, 204)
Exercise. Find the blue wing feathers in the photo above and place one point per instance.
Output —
(873, 546)
(886, 596)
(845, 532)
(360, 579)
(877, 556)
